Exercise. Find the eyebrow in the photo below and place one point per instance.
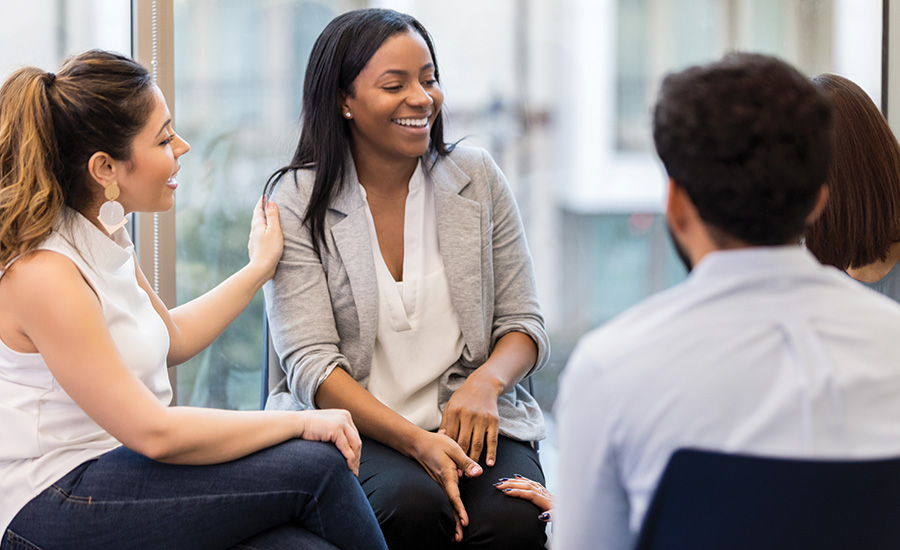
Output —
(400, 72)
(169, 121)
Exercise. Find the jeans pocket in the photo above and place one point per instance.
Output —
(12, 541)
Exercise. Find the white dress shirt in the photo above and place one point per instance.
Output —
(418, 336)
(761, 350)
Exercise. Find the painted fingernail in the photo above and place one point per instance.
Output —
(499, 483)
(506, 490)
(517, 475)
(504, 479)
(544, 516)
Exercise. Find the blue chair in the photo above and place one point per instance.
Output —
(714, 500)
(271, 366)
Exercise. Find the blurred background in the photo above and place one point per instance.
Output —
(558, 91)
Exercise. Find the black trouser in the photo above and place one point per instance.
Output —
(415, 513)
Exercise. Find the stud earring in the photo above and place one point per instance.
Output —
(112, 214)
(348, 115)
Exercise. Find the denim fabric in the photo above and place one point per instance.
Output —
(415, 513)
(299, 494)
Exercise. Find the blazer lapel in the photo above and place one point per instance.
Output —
(459, 235)
(351, 238)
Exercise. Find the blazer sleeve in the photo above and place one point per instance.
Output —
(298, 301)
(516, 307)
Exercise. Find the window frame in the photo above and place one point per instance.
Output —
(152, 35)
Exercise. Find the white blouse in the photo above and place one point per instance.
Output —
(418, 336)
(44, 433)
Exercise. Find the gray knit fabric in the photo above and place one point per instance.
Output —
(889, 285)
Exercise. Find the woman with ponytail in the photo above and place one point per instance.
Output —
(92, 455)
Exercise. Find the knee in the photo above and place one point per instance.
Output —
(512, 523)
(414, 512)
(297, 462)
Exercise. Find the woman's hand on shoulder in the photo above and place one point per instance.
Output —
(266, 240)
(334, 426)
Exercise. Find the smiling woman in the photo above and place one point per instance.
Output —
(392, 105)
(406, 292)
(146, 180)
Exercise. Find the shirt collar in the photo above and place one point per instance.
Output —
(107, 252)
(754, 260)
(415, 182)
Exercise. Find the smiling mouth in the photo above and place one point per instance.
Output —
(411, 122)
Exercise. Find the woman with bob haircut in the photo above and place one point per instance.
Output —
(859, 230)
(406, 293)
(91, 453)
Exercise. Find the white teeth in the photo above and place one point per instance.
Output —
(416, 122)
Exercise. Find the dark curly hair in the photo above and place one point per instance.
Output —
(749, 139)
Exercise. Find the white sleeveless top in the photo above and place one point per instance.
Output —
(43, 433)
(418, 336)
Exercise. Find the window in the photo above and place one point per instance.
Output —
(559, 92)
(43, 33)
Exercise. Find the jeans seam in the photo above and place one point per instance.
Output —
(18, 541)
(69, 496)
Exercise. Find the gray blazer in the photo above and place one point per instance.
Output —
(323, 309)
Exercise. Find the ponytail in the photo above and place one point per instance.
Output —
(50, 126)
(30, 195)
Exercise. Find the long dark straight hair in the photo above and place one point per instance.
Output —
(340, 53)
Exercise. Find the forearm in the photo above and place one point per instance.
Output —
(199, 322)
(192, 435)
(512, 358)
(372, 417)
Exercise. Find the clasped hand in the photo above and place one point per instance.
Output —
(470, 419)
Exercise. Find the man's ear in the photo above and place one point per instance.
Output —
(103, 169)
(821, 202)
(677, 206)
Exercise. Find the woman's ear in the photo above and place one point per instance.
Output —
(103, 169)
(344, 106)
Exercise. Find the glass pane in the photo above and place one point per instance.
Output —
(44, 32)
(238, 75)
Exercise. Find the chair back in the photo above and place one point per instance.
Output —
(272, 373)
(714, 500)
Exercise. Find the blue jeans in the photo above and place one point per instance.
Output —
(297, 495)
